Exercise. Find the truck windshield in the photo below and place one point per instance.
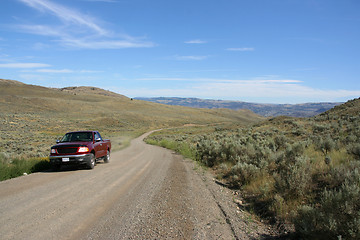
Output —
(77, 137)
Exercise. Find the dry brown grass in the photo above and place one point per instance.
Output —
(33, 117)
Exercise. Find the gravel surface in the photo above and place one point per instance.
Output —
(145, 192)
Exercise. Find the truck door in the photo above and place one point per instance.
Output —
(99, 145)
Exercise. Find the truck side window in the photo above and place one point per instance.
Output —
(97, 135)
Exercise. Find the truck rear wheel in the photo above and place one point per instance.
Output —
(107, 157)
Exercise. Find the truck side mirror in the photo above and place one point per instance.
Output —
(97, 139)
(57, 140)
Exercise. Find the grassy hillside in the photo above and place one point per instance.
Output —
(32, 117)
(302, 173)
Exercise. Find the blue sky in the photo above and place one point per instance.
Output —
(268, 51)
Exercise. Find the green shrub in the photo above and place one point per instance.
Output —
(208, 152)
(320, 128)
(336, 215)
(354, 149)
(17, 167)
(179, 146)
(351, 138)
(326, 145)
(245, 172)
(294, 178)
(278, 206)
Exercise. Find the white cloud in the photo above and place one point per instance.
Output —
(244, 49)
(105, 44)
(257, 90)
(33, 78)
(65, 14)
(289, 91)
(54, 71)
(196, 41)
(185, 58)
(4, 57)
(219, 80)
(107, 1)
(78, 30)
(42, 30)
(40, 46)
(24, 65)
(90, 71)
(48, 70)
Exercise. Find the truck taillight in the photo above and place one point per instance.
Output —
(83, 149)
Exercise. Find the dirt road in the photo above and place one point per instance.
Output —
(145, 192)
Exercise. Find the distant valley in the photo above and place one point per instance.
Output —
(266, 110)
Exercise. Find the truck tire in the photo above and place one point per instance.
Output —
(92, 162)
(107, 157)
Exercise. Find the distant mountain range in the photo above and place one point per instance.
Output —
(267, 110)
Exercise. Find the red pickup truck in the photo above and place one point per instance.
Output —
(81, 148)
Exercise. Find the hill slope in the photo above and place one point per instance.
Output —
(294, 110)
(350, 108)
(32, 117)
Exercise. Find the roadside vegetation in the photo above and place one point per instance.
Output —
(11, 168)
(33, 117)
(300, 173)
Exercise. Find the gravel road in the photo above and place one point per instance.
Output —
(145, 192)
